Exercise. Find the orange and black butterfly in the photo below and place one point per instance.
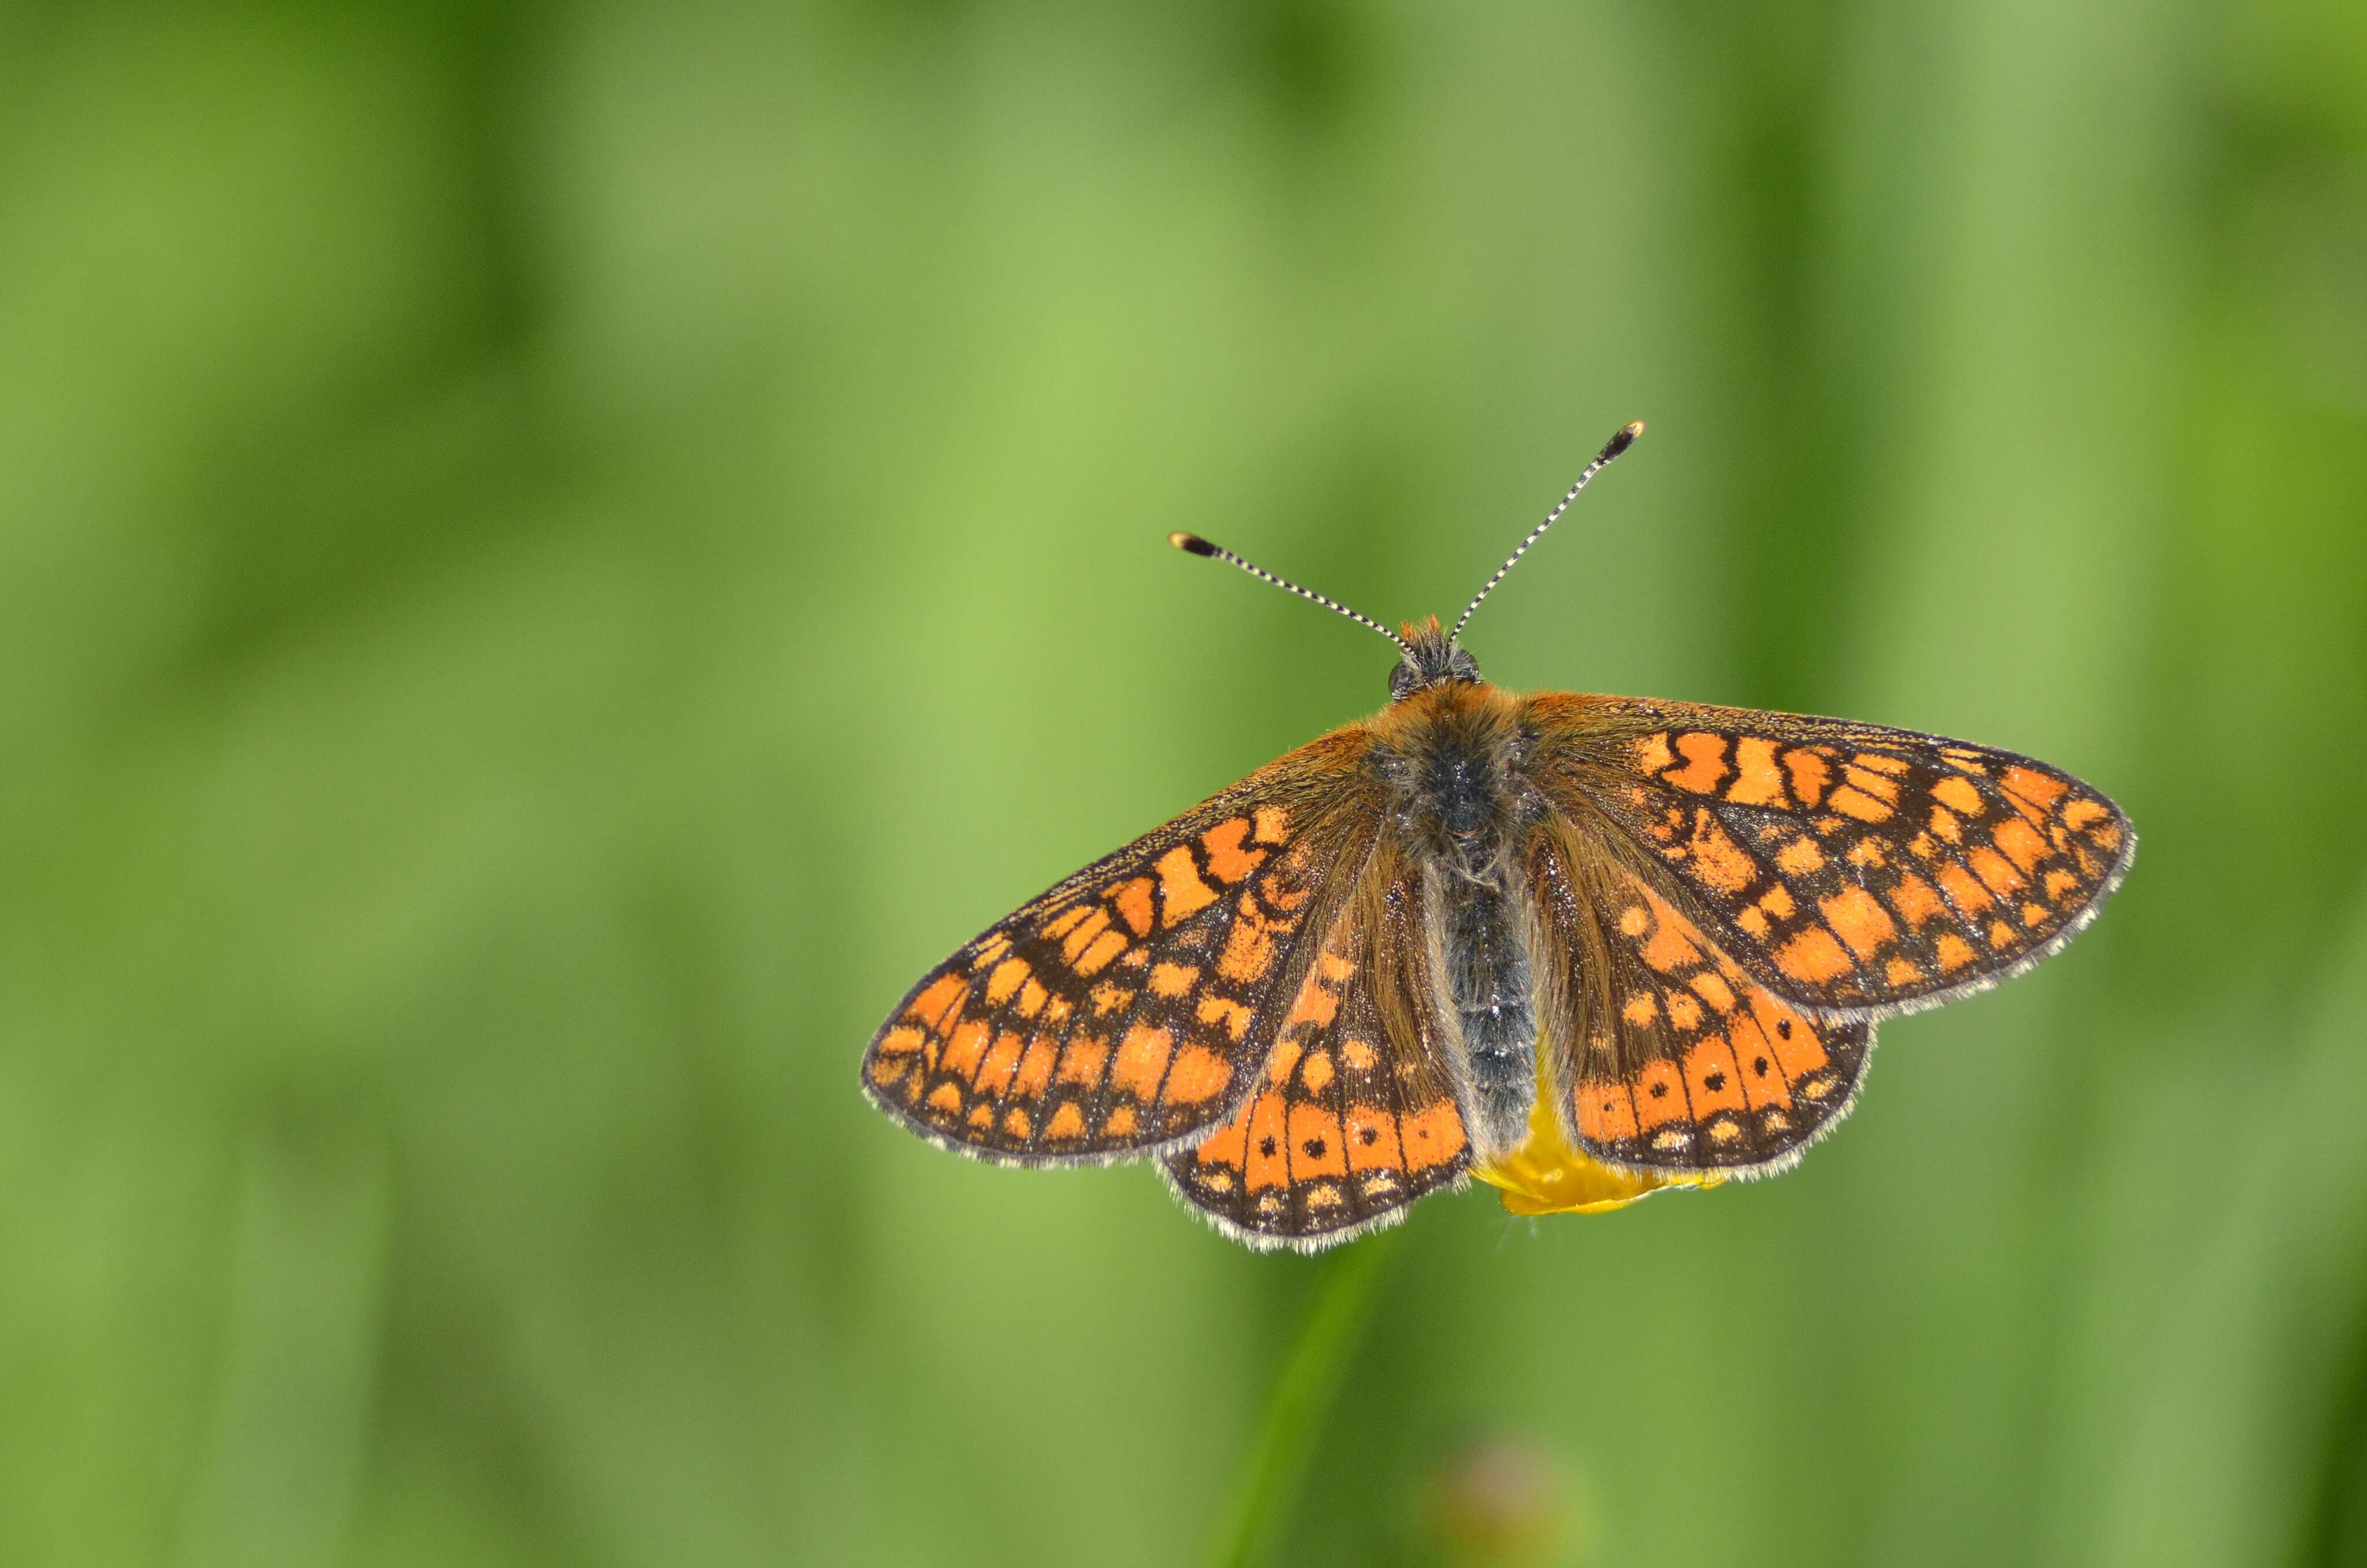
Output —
(1662, 931)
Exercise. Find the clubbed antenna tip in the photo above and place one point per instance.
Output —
(1611, 449)
(1191, 544)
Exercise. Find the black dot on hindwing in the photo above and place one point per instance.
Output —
(1715, 1082)
(1368, 1136)
(1758, 1065)
(1314, 1147)
(1659, 1091)
(1265, 1147)
(1782, 1029)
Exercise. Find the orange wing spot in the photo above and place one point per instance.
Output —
(1753, 924)
(1800, 857)
(1993, 868)
(966, 1048)
(995, 1074)
(1777, 902)
(1683, 1012)
(1278, 892)
(1109, 997)
(1798, 1049)
(1359, 1055)
(1316, 1072)
(1923, 846)
(942, 995)
(1812, 955)
(1248, 947)
(1222, 1012)
(1090, 926)
(1018, 1124)
(1121, 1123)
(1199, 1075)
(1181, 892)
(885, 1070)
(990, 950)
(1704, 758)
(1372, 1140)
(1718, 860)
(2033, 915)
(1880, 786)
(1173, 978)
(1060, 925)
(1944, 823)
(1635, 920)
(1317, 1004)
(1316, 1145)
(902, 1040)
(1763, 1083)
(1036, 1067)
(981, 1116)
(1757, 780)
(1958, 794)
(1868, 852)
(1954, 952)
(1031, 998)
(2033, 786)
(1269, 824)
(1088, 1054)
(1143, 1058)
(1431, 1137)
(947, 1099)
(1856, 802)
(1133, 900)
(2060, 884)
(1894, 766)
(1859, 919)
(1229, 858)
(1967, 895)
(1278, 1066)
(2079, 813)
(2108, 836)
(1659, 1095)
(1916, 901)
(1898, 972)
(1712, 1077)
(1334, 968)
(1268, 1165)
(1641, 1009)
(1606, 1112)
(1067, 1123)
(2001, 935)
(1652, 753)
(1100, 951)
(1970, 761)
(1810, 774)
(1714, 991)
(2021, 843)
(1667, 950)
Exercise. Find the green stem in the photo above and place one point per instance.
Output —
(1303, 1393)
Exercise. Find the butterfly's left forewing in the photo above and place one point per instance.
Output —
(1133, 1003)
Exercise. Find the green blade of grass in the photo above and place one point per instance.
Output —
(1304, 1388)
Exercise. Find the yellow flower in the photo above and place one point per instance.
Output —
(1546, 1175)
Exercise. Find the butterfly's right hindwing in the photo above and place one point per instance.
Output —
(1664, 1054)
(1134, 1004)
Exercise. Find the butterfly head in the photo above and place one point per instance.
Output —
(1429, 660)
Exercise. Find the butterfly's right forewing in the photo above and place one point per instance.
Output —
(1134, 1002)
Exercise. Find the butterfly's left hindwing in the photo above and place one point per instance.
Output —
(1133, 1003)
(1354, 1116)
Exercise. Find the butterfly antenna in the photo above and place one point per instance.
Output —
(1193, 544)
(1616, 445)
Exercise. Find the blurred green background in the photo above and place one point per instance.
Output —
(552, 559)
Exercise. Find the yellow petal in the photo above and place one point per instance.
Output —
(1546, 1175)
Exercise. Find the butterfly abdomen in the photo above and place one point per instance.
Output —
(1450, 756)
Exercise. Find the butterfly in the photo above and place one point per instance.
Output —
(1482, 921)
